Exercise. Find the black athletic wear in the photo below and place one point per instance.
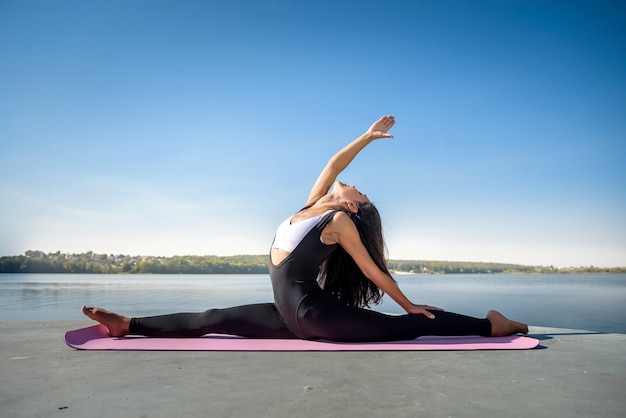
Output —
(301, 309)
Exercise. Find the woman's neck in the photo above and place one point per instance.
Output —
(327, 202)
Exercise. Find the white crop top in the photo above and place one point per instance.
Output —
(289, 235)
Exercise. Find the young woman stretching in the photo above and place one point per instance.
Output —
(327, 265)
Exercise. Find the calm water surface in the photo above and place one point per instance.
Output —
(592, 301)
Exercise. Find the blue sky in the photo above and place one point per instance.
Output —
(195, 127)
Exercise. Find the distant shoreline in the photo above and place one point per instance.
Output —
(91, 263)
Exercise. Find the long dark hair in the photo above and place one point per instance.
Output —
(340, 275)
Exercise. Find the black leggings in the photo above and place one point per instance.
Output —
(348, 324)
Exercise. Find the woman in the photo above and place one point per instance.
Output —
(327, 265)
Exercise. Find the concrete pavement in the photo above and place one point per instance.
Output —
(572, 373)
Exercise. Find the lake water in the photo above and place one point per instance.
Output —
(595, 302)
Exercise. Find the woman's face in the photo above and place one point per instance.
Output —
(350, 193)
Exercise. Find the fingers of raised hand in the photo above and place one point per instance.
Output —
(383, 125)
(388, 120)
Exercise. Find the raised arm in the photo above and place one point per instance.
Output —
(344, 157)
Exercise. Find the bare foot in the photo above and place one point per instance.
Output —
(502, 326)
(116, 324)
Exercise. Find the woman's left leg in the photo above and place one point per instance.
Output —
(253, 321)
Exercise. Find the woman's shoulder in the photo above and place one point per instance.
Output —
(341, 220)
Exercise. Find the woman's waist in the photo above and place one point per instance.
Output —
(294, 285)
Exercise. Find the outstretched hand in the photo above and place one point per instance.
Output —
(424, 310)
(381, 126)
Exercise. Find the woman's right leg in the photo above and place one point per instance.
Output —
(253, 321)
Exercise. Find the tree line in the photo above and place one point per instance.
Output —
(467, 267)
(91, 263)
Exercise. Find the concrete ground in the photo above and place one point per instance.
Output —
(573, 373)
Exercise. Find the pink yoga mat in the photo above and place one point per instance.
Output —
(96, 338)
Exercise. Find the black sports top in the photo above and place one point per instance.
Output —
(294, 279)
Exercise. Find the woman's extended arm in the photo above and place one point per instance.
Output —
(344, 232)
(344, 157)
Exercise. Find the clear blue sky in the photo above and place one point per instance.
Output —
(195, 127)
